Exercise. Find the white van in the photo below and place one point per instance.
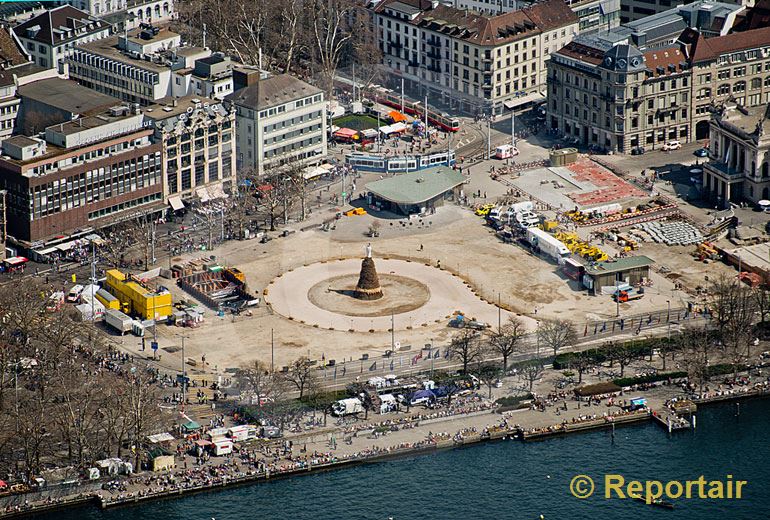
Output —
(506, 151)
(74, 294)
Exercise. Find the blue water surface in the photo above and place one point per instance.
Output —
(507, 480)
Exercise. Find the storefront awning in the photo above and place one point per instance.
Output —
(217, 192)
(532, 97)
(393, 129)
(176, 203)
(203, 194)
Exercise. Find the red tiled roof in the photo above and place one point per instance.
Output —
(707, 49)
(668, 57)
(582, 53)
(486, 30)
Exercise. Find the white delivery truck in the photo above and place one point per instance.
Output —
(118, 320)
(243, 432)
(506, 151)
(88, 294)
(547, 244)
(217, 434)
(222, 447)
(347, 407)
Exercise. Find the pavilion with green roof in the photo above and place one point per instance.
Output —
(417, 192)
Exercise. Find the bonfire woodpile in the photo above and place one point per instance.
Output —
(368, 287)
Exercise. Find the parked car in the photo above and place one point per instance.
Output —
(638, 150)
(702, 152)
(671, 145)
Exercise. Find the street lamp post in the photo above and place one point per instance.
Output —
(499, 315)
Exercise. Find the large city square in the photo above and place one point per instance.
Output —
(249, 241)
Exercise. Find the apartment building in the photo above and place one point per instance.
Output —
(739, 168)
(197, 145)
(732, 67)
(148, 64)
(472, 63)
(619, 98)
(592, 14)
(279, 119)
(51, 36)
(647, 82)
(90, 172)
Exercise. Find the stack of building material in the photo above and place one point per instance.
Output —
(672, 233)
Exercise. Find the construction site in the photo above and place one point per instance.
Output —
(218, 287)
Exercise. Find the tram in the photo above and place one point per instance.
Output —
(399, 164)
(414, 108)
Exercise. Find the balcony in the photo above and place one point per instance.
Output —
(433, 43)
(435, 54)
(724, 171)
(486, 86)
(487, 59)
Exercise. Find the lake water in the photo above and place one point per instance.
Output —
(508, 480)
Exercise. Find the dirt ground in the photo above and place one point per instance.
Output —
(506, 273)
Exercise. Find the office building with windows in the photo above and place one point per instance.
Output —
(51, 36)
(279, 119)
(198, 148)
(86, 173)
(470, 62)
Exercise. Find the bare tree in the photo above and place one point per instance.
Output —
(276, 196)
(531, 371)
(331, 34)
(257, 379)
(762, 303)
(507, 341)
(556, 334)
(144, 416)
(697, 347)
(489, 375)
(301, 375)
(582, 362)
(622, 352)
(735, 307)
(466, 346)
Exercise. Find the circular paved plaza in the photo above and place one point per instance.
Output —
(415, 294)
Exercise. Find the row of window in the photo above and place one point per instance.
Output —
(280, 109)
(184, 178)
(117, 208)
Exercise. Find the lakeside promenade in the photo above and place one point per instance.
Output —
(415, 434)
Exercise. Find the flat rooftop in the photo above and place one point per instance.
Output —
(88, 122)
(67, 96)
(756, 255)
(108, 47)
(418, 187)
(746, 118)
(619, 265)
